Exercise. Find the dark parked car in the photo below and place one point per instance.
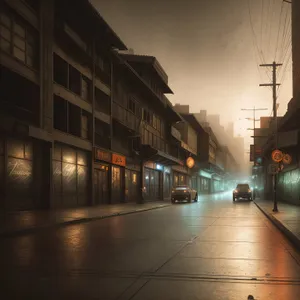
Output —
(184, 193)
(242, 191)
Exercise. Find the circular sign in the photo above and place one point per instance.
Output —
(287, 159)
(190, 162)
(277, 156)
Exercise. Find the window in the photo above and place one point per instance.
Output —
(131, 105)
(60, 114)
(85, 132)
(134, 180)
(158, 126)
(150, 138)
(18, 39)
(146, 137)
(60, 71)
(74, 80)
(74, 117)
(154, 141)
(84, 126)
(154, 121)
(85, 88)
(147, 116)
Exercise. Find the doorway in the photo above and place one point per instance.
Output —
(101, 186)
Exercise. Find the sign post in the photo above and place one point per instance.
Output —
(280, 160)
(277, 157)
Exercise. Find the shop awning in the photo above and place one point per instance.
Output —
(160, 157)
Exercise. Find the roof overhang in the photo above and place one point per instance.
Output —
(160, 157)
(109, 32)
(174, 116)
(88, 17)
(152, 64)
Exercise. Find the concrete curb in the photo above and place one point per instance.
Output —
(290, 235)
(14, 233)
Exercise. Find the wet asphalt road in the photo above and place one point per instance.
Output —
(213, 249)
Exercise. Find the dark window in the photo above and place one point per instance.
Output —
(19, 39)
(154, 121)
(147, 117)
(86, 120)
(60, 71)
(102, 134)
(85, 89)
(74, 117)
(84, 127)
(74, 80)
(150, 138)
(60, 113)
(102, 101)
(131, 105)
(158, 126)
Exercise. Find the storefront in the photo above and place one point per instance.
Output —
(167, 182)
(153, 178)
(109, 174)
(102, 173)
(204, 182)
(180, 176)
(194, 183)
(71, 176)
(24, 174)
(132, 181)
(217, 184)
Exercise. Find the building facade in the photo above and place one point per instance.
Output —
(85, 125)
(288, 132)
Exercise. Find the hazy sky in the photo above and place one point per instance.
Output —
(209, 51)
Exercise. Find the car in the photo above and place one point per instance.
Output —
(184, 193)
(242, 190)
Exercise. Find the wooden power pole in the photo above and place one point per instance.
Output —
(274, 85)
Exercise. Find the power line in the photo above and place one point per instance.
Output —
(276, 48)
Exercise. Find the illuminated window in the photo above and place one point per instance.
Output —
(134, 178)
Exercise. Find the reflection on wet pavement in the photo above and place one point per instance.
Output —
(213, 249)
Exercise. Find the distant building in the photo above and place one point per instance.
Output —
(230, 129)
(182, 109)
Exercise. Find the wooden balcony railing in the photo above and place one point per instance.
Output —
(126, 117)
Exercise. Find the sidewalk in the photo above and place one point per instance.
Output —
(287, 219)
(16, 223)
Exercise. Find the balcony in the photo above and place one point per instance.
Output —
(101, 141)
(126, 117)
(176, 133)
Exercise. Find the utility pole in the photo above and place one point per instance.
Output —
(274, 85)
(254, 109)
